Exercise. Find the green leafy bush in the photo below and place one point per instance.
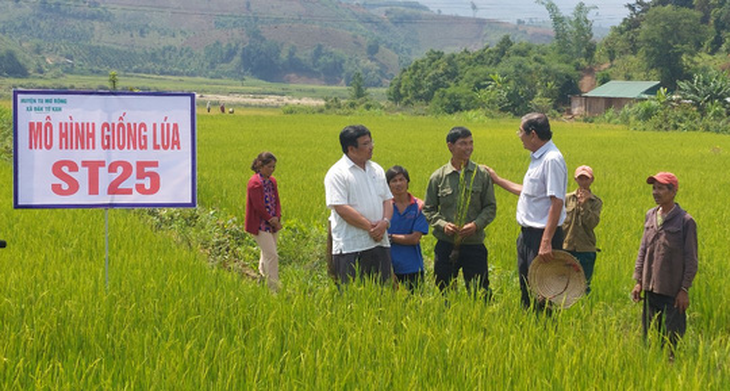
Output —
(6, 134)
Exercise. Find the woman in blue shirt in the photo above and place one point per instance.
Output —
(406, 228)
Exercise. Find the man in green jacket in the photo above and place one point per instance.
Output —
(459, 204)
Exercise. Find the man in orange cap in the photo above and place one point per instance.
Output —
(582, 214)
(667, 261)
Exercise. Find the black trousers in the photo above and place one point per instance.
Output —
(472, 261)
(659, 314)
(528, 245)
(412, 281)
(372, 263)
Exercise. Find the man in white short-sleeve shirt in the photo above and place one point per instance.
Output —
(358, 195)
(540, 208)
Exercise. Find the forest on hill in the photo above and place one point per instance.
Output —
(429, 62)
(299, 41)
(683, 44)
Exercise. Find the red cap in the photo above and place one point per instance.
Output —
(583, 170)
(664, 178)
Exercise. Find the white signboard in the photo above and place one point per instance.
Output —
(76, 149)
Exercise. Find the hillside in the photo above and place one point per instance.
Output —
(606, 13)
(315, 41)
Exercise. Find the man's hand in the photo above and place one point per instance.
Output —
(545, 254)
(468, 230)
(681, 302)
(636, 293)
(451, 229)
(583, 195)
(492, 173)
(514, 188)
(378, 230)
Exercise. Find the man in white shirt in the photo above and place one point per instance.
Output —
(541, 206)
(361, 202)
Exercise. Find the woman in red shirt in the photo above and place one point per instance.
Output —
(263, 214)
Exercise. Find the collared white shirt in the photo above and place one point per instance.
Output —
(547, 176)
(364, 190)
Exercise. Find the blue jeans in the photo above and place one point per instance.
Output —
(587, 262)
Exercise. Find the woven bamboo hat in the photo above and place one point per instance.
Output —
(561, 280)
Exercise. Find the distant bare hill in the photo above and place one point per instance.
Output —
(319, 41)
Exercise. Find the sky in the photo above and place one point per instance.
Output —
(607, 13)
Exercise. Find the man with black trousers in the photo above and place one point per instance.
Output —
(540, 208)
(460, 186)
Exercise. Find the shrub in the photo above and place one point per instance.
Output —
(6, 134)
(454, 99)
(643, 111)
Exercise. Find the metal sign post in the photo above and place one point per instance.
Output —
(106, 241)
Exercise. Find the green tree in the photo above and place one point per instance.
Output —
(560, 25)
(493, 98)
(716, 13)
(507, 77)
(705, 90)
(261, 57)
(394, 91)
(667, 35)
(373, 47)
(454, 99)
(113, 80)
(623, 39)
(573, 35)
(676, 3)
(419, 82)
(11, 66)
(581, 33)
(357, 87)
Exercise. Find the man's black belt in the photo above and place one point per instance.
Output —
(531, 229)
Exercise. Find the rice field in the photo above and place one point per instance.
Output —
(168, 321)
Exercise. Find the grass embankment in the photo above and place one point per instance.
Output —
(179, 83)
(170, 322)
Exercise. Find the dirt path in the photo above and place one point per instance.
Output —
(588, 78)
(258, 100)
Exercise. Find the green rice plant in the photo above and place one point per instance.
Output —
(462, 204)
(169, 321)
(462, 207)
